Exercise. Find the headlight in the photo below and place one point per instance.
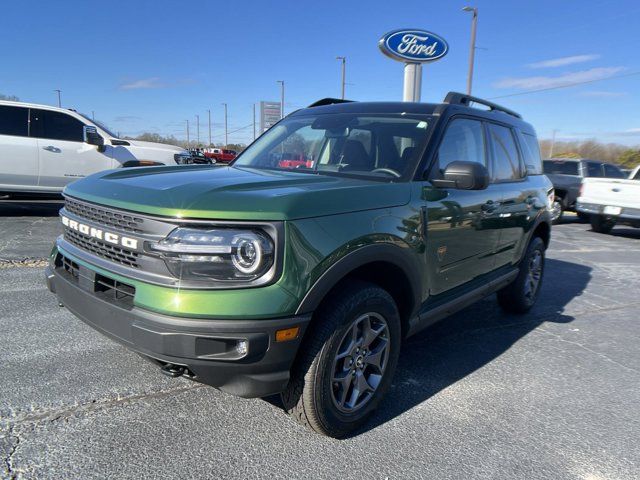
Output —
(217, 254)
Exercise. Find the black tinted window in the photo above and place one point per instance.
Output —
(531, 152)
(14, 121)
(56, 126)
(611, 171)
(506, 160)
(560, 167)
(593, 169)
(463, 141)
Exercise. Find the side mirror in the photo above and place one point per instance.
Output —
(464, 176)
(91, 136)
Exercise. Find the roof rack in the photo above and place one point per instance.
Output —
(456, 98)
(328, 101)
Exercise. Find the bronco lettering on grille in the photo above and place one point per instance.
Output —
(109, 237)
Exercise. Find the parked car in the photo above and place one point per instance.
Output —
(610, 202)
(44, 148)
(567, 174)
(192, 157)
(222, 155)
(259, 279)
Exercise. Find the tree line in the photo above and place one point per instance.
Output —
(623, 155)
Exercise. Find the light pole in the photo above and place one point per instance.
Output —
(226, 137)
(254, 121)
(197, 130)
(472, 49)
(281, 82)
(93, 115)
(209, 113)
(344, 68)
(553, 142)
(188, 142)
(59, 102)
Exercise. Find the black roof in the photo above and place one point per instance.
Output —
(453, 103)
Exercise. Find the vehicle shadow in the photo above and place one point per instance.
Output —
(30, 209)
(465, 342)
(625, 232)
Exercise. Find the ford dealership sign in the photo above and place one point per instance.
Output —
(413, 46)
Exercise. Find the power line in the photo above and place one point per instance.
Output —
(567, 85)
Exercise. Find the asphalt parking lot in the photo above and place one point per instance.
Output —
(553, 394)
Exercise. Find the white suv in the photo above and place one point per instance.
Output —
(44, 148)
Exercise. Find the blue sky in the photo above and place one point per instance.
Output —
(150, 65)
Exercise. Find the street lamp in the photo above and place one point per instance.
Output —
(59, 103)
(344, 62)
(281, 82)
(472, 50)
(197, 130)
(209, 112)
(226, 137)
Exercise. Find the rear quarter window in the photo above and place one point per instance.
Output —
(531, 153)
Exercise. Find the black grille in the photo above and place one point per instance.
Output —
(119, 220)
(102, 249)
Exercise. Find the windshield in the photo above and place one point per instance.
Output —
(100, 124)
(381, 146)
(560, 167)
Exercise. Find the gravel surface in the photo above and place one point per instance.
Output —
(553, 394)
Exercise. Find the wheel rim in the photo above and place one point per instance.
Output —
(359, 365)
(556, 210)
(534, 275)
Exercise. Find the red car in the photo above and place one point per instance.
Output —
(295, 161)
(221, 155)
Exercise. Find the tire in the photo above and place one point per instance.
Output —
(557, 211)
(602, 223)
(520, 295)
(313, 396)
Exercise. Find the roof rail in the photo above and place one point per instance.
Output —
(328, 101)
(456, 98)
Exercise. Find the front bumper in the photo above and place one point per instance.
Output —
(240, 357)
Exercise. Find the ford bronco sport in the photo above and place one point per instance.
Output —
(261, 279)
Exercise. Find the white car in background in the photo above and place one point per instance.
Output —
(609, 201)
(43, 148)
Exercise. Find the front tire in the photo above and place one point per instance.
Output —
(557, 211)
(602, 223)
(520, 295)
(347, 360)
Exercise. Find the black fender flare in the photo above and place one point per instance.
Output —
(401, 257)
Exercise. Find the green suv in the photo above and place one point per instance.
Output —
(300, 268)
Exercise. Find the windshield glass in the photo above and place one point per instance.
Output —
(100, 124)
(560, 167)
(381, 146)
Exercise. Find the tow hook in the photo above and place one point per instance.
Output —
(171, 370)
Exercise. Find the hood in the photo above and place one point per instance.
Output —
(230, 193)
(156, 146)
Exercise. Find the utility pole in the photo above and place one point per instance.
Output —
(188, 142)
(281, 82)
(472, 48)
(553, 142)
(59, 102)
(93, 115)
(197, 130)
(254, 121)
(344, 67)
(226, 130)
(209, 112)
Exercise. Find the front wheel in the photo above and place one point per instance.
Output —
(346, 362)
(522, 293)
(556, 211)
(602, 223)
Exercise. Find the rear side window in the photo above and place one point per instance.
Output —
(560, 167)
(463, 141)
(506, 159)
(55, 126)
(611, 171)
(593, 169)
(531, 153)
(14, 121)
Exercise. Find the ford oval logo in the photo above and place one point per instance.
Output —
(413, 46)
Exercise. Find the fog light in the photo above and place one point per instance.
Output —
(242, 347)
(287, 334)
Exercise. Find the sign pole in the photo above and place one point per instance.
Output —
(412, 82)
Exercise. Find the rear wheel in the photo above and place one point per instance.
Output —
(347, 361)
(557, 210)
(522, 293)
(602, 223)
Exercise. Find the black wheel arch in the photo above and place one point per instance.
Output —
(392, 267)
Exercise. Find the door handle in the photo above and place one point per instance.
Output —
(51, 148)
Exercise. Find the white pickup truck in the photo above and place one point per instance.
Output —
(43, 148)
(608, 201)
